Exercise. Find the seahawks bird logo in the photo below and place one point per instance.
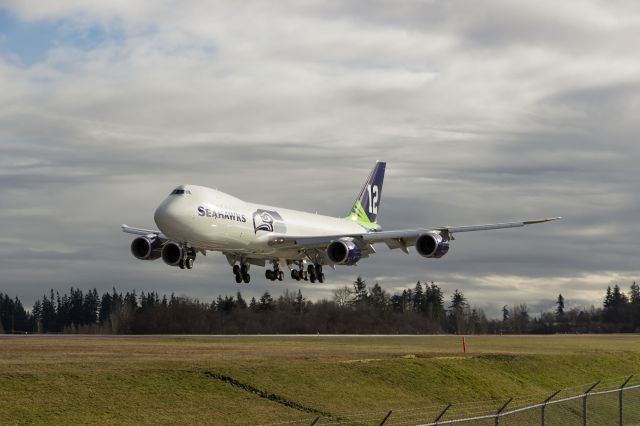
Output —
(267, 220)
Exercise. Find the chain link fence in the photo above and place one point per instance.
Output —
(612, 402)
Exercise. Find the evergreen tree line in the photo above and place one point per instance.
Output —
(357, 309)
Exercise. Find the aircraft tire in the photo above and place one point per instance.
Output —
(246, 278)
(312, 277)
(318, 270)
(294, 275)
(236, 269)
(267, 274)
(280, 275)
(321, 277)
(189, 263)
(244, 269)
(181, 264)
(238, 278)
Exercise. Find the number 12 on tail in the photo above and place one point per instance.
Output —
(373, 201)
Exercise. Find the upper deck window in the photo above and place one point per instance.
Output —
(179, 191)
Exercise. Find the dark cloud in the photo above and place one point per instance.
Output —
(484, 112)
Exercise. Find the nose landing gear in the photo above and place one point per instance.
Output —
(188, 257)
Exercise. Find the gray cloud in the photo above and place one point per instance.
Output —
(484, 112)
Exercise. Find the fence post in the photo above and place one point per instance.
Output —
(584, 402)
(621, 389)
(544, 405)
(501, 410)
(385, 418)
(435, 422)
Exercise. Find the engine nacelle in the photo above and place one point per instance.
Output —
(432, 244)
(173, 253)
(146, 248)
(344, 252)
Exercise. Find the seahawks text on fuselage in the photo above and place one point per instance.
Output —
(220, 214)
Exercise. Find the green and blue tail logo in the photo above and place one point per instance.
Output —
(365, 209)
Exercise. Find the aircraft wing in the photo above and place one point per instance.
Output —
(140, 231)
(394, 239)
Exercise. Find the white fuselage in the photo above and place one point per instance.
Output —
(208, 219)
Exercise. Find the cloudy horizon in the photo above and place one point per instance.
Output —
(484, 112)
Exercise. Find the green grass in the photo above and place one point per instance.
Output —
(65, 380)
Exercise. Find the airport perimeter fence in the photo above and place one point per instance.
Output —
(614, 402)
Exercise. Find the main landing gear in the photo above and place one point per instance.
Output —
(242, 273)
(313, 273)
(275, 274)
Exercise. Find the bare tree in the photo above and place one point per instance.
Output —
(343, 296)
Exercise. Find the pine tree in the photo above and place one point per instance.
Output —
(360, 290)
(266, 302)
(560, 316)
(240, 302)
(434, 302)
(105, 309)
(457, 312)
(634, 294)
(300, 303)
(378, 298)
(418, 298)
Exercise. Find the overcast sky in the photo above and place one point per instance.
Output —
(484, 111)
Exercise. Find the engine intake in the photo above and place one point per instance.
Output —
(173, 253)
(432, 245)
(145, 248)
(344, 252)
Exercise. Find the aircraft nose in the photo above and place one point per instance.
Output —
(167, 214)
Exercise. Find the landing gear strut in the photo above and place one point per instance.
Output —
(242, 273)
(275, 274)
(188, 257)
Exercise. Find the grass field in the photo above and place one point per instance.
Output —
(270, 380)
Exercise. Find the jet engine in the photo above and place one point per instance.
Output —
(344, 252)
(433, 244)
(146, 248)
(173, 253)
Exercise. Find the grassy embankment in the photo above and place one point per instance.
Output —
(64, 380)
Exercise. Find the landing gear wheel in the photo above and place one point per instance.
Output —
(236, 269)
(246, 278)
(312, 277)
(244, 269)
(181, 264)
(189, 263)
(280, 275)
(311, 269)
(318, 269)
(321, 277)
(268, 274)
(294, 275)
(238, 278)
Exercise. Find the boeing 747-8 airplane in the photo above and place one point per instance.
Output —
(195, 219)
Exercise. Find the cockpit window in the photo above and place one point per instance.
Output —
(179, 191)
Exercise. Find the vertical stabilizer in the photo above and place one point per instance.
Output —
(365, 210)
